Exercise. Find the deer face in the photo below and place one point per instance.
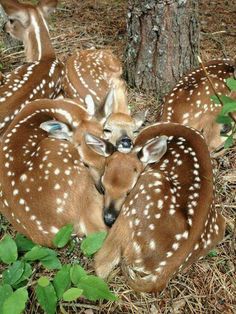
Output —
(123, 170)
(121, 129)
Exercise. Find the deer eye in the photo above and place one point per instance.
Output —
(11, 21)
(106, 131)
(226, 128)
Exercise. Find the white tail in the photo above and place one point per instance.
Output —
(189, 102)
(97, 73)
(165, 191)
(38, 79)
(44, 184)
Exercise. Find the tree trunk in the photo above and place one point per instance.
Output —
(163, 41)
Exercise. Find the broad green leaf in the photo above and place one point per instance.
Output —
(46, 256)
(5, 292)
(36, 253)
(72, 294)
(93, 242)
(76, 273)
(224, 120)
(231, 83)
(25, 276)
(62, 280)
(229, 107)
(43, 281)
(51, 262)
(16, 303)
(63, 236)
(8, 250)
(47, 298)
(23, 244)
(94, 288)
(225, 99)
(229, 142)
(13, 273)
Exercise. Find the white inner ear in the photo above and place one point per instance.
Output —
(154, 150)
(90, 105)
(56, 129)
(96, 144)
(108, 106)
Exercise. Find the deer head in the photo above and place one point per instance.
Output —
(116, 184)
(27, 23)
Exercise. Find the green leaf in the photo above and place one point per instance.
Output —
(224, 120)
(51, 261)
(212, 253)
(5, 292)
(16, 302)
(47, 298)
(93, 242)
(62, 280)
(223, 98)
(231, 83)
(46, 256)
(94, 288)
(63, 236)
(18, 272)
(229, 142)
(26, 274)
(229, 107)
(8, 250)
(72, 294)
(13, 273)
(43, 281)
(36, 253)
(76, 273)
(23, 244)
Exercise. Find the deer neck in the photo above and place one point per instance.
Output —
(37, 41)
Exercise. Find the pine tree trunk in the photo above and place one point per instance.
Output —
(163, 41)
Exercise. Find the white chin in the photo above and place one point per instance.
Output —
(124, 150)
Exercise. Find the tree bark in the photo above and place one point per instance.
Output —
(163, 41)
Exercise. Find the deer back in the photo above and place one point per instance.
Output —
(91, 72)
(44, 184)
(189, 102)
(39, 79)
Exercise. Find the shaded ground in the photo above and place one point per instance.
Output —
(207, 287)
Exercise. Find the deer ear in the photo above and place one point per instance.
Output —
(48, 6)
(14, 11)
(90, 105)
(57, 129)
(140, 119)
(108, 106)
(98, 145)
(153, 150)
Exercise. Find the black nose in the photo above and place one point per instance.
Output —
(124, 142)
(110, 216)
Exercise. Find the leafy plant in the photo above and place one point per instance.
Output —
(225, 117)
(67, 284)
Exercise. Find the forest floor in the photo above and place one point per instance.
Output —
(208, 286)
